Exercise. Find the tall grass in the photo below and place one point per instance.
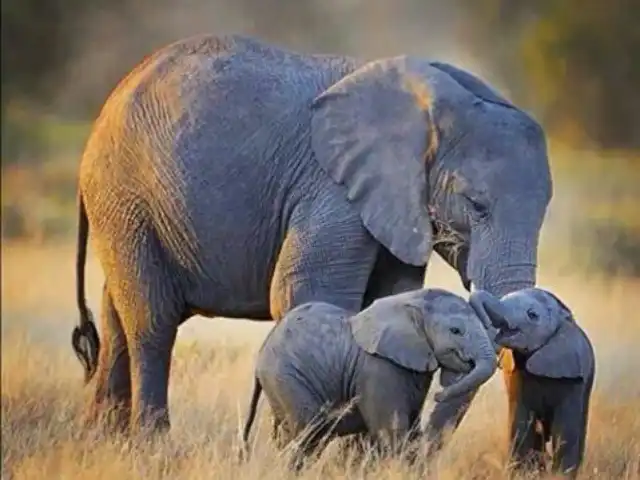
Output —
(43, 398)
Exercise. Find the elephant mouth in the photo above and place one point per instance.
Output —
(506, 333)
(464, 363)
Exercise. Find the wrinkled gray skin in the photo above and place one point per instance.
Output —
(320, 359)
(228, 177)
(551, 379)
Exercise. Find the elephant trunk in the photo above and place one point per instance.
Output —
(477, 300)
(485, 364)
(507, 279)
(490, 310)
(502, 267)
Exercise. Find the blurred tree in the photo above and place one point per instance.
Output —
(574, 62)
(33, 44)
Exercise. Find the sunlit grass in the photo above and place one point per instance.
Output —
(43, 397)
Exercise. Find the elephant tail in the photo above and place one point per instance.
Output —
(84, 338)
(253, 406)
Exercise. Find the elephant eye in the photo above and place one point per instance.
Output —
(479, 209)
(531, 313)
(455, 331)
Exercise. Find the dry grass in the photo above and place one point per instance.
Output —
(43, 398)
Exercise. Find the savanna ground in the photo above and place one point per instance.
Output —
(43, 396)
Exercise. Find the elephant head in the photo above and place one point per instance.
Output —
(537, 324)
(424, 329)
(433, 158)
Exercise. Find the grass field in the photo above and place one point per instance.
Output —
(43, 397)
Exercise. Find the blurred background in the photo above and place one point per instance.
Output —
(575, 64)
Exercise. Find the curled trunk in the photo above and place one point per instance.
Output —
(491, 311)
(477, 300)
(485, 365)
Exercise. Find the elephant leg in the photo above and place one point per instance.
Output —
(568, 433)
(312, 433)
(323, 259)
(281, 433)
(356, 448)
(392, 435)
(149, 303)
(150, 367)
(113, 380)
(526, 443)
(446, 416)
(390, 276)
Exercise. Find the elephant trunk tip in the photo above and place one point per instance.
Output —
(481, 373)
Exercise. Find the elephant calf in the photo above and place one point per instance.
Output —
(550, 379)
(321, 359)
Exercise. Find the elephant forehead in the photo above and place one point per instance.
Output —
(450, 305)
(547, 298)
(521, 300)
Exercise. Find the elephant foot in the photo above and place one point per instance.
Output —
(532, 463)
(151, 424)
(109, 417)
(355, 450)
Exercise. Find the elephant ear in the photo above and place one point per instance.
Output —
(568, 354)
(566, 312)
(390, 331)
(371, 132)
(473, 84)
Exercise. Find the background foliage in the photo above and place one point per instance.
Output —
(574, 64)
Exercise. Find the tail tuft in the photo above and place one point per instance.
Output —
(86, 345)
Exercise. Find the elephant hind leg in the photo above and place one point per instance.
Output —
(312, 441)
(149, 301)
(280, 433)
(112, 395)
(305, 428)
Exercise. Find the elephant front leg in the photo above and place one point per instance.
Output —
(568, 433)
(390, 276)
(393, 436)
(330, 263)
(446, 416)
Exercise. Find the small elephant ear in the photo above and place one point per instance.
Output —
(566, 311)
(473, 84)
(390, 331)
(372, 133)
(568, 354)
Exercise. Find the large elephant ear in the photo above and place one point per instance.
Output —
(473, 84)
(371, 133)
(390, 330)
(568, 354)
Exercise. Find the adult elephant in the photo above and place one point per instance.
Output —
(228, 177)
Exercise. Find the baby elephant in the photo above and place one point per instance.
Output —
(320, 359)
(551, 380)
